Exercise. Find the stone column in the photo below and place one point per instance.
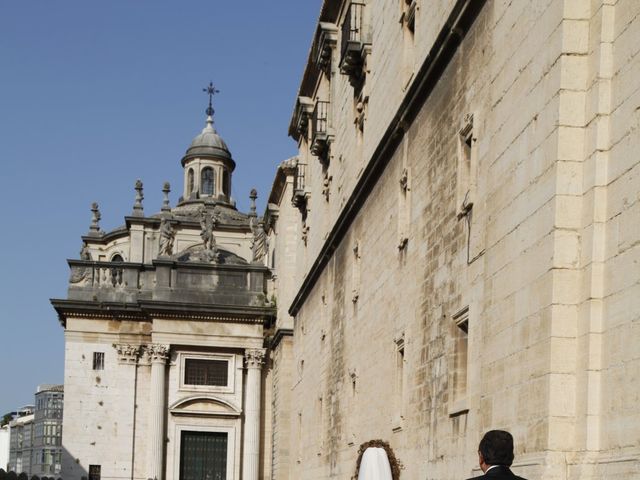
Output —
(158, 355)
(254, 359)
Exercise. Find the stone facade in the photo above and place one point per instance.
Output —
(466, 200)
(166, 374)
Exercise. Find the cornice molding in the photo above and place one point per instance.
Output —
(148, 310)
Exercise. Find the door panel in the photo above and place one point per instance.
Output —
(203, 456)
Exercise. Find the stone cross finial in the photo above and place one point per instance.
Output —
(252, 208)
(166, 188)
(94, 229)
(137, 206)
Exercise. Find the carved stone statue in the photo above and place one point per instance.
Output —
(167, 236)
(85, 254)
(81, 273)
(260, 240)
(208, 222)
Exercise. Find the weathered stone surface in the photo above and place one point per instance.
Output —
(545, 259)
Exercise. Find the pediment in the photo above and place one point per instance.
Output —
(204, 405)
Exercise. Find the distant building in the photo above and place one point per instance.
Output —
(47, 429)
(35, 435)
(4, 446)
(21, 441)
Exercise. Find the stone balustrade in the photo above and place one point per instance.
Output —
(168, 280)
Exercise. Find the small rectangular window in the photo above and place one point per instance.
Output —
(466, 179)
(94, 472)
(98, 360)
(460, 362)
(206, 372)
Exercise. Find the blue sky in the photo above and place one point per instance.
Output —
(94, 95)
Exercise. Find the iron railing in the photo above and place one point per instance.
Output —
(352, 27)
(320, 119)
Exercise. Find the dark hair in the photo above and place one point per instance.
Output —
(496, 448)
(395, 464)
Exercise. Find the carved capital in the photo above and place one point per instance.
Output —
(128, 354)
(157, 353)
(254, 357)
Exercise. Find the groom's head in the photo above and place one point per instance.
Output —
(496, 448)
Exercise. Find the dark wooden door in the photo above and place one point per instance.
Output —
(203, 456)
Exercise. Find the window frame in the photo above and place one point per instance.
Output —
(231, 366)
(98, 365)
(459, 364)
(92, 475)
(213, 181)
(191, 183)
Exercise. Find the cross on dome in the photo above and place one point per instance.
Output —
(211, 91)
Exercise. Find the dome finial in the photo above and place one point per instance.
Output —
(211, 91)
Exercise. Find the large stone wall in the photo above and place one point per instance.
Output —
(545, 261)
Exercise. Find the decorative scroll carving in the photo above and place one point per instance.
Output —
(78, 274)
(254, 357)
(127, 353)
(404, 180)
(157, 352)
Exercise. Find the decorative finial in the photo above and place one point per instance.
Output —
(211, 91)
(252, 196)
(137, 206)
(94, 229)
(166, 188)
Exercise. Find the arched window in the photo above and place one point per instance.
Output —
(117, 258)
(225, 183)
(207, 181)
(189, 181)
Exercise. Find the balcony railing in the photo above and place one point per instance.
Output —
(320, 137)
(299, 199)
(354, 39)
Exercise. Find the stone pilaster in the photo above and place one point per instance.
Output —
(158, 355)
(128, 356)
(254, 359)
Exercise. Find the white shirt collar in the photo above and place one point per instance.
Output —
(492, 466)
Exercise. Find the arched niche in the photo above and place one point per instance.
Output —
(205, 405)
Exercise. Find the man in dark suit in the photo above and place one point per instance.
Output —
(495, 455)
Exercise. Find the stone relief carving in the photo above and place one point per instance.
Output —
(156, 352)
(167, 236)
(404, 179)
(326, 186)
(128, 353)
(254, 357)
(78, 274)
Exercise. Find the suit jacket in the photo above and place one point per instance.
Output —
(500, 472)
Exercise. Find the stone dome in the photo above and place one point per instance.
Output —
(208, 143)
